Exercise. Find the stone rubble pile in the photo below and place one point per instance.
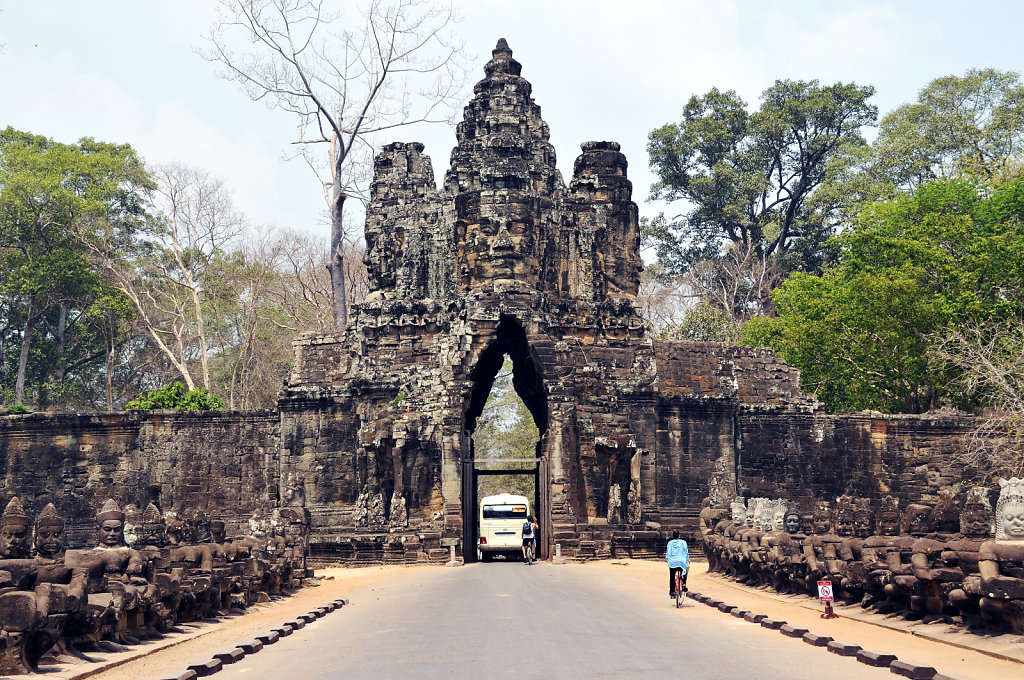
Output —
(148, 572)
(932, 562)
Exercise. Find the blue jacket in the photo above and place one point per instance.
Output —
(677, 554)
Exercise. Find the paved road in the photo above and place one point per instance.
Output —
(507, 620)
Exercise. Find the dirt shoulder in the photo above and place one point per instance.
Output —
(951, 650)
(171, 656)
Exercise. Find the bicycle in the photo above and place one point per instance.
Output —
(529, 553)
(680, 589)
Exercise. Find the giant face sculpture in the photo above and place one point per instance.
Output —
(498, 240)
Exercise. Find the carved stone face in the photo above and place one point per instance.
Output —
(50, 541)
(151, 534)
(822, 520)
(933, 476)
(13, 540)
(888, 524)
(1012, 518)
(217, 532)
(863, 523)
(779, 519)
(844, 524)
(498, 239)
(739, 513)
(793, 522)
(976, 519)
(111, 533)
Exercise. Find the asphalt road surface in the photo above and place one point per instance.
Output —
(509, 620)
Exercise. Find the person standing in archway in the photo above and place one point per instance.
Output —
(530, 536)
(677, 554)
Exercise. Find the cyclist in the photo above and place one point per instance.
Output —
(530, 536)
(677, 554)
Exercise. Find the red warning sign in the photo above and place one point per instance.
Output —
(825, 591)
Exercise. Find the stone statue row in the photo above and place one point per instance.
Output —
(147, 572)
(925, 561)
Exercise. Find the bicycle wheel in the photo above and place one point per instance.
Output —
(679, 590)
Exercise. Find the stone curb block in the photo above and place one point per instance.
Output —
(324, 611)
(697, 596)
(712, 602)
(285, 630)
(739, 613)
(912, 670)
(772, 624)
(816, 640)
(940, 676)
(251, 647)
(269, 638)
(723, 607)
(879, 659)
(297, 624)
(306, 618)
(330, 606)
(793, 631)
(207, 668)
(754, 618)
(232, 656)
(843, 648)
(187, 675)
(341, 602)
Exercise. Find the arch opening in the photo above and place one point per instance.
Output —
(515, 465)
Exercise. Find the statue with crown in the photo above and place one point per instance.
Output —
(1001, 560)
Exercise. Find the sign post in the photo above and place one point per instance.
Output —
(825, 595)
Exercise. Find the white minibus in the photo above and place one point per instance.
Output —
(501, 525)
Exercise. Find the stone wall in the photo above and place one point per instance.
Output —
(225, 463)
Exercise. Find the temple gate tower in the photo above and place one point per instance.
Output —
(503, 259)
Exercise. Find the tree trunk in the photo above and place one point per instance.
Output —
(337, 264)
(19, 385)
(62, 325)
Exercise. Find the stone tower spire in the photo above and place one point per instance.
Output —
(503, 141)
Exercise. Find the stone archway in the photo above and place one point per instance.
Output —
(510, 340)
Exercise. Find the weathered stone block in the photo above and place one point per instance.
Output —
(912, 670)
(843, 648)
(880, 659)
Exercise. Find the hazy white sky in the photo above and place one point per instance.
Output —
(127, 71)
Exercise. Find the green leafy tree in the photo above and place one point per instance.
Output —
(751, 180)
(970, 124)
(910, 270)
(49, 193)
(177, 396)
(505, 431)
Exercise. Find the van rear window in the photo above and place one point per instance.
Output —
(504, 512)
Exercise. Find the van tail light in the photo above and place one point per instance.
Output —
(483, 539)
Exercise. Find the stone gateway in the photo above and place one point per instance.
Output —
(373, 432)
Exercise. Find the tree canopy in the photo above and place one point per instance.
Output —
(750, 179)
(911, 271)
(970, 124)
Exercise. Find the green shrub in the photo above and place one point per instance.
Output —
(18, 409)
(176, 396)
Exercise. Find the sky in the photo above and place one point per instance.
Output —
(128, 71)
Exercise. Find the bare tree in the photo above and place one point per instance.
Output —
(166, 274)
(345, 78)
(989, 362)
